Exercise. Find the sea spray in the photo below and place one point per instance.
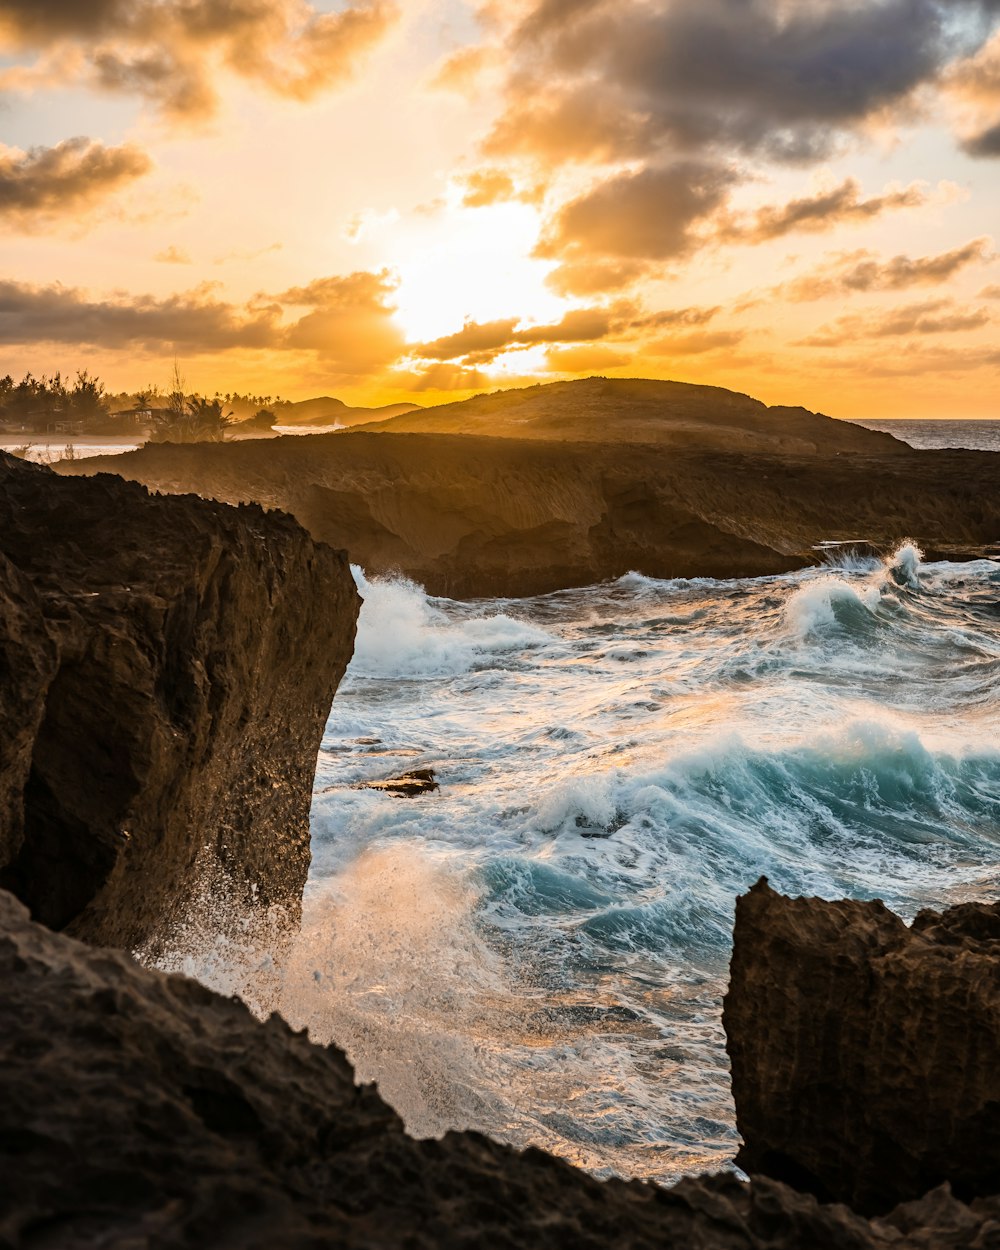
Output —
(539, 949)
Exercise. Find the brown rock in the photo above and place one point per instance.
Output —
(866, 1054)
(405, 786)
(141, 1110)
(166, 669)
(574, 483)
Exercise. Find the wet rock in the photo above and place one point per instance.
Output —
(406, 785)
(166, 669)
(141, 1110)
(865, 1053)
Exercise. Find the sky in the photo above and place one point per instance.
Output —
(401, 199)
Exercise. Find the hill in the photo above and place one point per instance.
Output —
(325, 410)
(640, 410)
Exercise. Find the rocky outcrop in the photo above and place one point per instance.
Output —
(138, 1109)
(643, 410)
(166, 669)
(467, 516)
(865, 1052)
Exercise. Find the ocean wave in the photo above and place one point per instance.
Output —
(402, 633)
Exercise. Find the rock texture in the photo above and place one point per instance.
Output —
(139, 1110)
(166, 669)
(667, 495)
(865, 1052)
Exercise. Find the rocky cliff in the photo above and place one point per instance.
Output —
(866, 1053)
(140, 1110)
(166, 669)
(468, 516)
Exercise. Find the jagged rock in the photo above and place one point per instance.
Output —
(405, 786)
(139, 1110)
(865, 1053)
(166, 669)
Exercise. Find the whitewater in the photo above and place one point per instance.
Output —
(539, 949)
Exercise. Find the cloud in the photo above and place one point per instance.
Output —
(495, 186)
(649, 215)
(195, 320)
(587, 359)
(986, 143)
(594, 277)
(483, 341)
(345, 322)
(696, 344)
(822, 211)
(170, 52)
(598, 79)
(349, 322)
(173, 256)
(929, 317)
(67, 180)
(861, 271)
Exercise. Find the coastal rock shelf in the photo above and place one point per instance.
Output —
(575, 483)
(166, 669)
(865, 1052)
(138, 1109)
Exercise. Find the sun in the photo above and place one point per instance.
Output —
(471, 264)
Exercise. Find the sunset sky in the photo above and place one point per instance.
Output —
(795, 198)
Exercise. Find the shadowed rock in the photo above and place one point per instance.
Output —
(166, 669)
(574, 483)
(140, 1110)
(866, 1054)
(406, 785)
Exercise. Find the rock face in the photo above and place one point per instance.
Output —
(141, 1110)
(865, 1052)
(469, 516)
(579, 482)
(166, 669)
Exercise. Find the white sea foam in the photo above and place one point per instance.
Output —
(403, 633)
(539, 949)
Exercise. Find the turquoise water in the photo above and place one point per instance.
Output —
(539, 950)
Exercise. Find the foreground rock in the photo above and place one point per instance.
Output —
(140, 1110)
(467, 516)
(166, 669)
(866, 1054)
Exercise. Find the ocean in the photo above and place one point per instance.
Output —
(539, 949)
(976, 435)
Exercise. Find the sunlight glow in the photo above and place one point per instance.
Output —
(472, 264)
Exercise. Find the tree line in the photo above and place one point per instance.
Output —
(48, 404)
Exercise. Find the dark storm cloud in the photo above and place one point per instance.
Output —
(69, 179)
(168, 52)
(986, 143)
(749, 75)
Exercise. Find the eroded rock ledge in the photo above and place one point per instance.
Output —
(166, 669)
(139, 1110)
(866, 1053)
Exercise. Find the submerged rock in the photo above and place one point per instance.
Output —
(142, 1110)
(166, 669)
(406, 785)
(865, 1053)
